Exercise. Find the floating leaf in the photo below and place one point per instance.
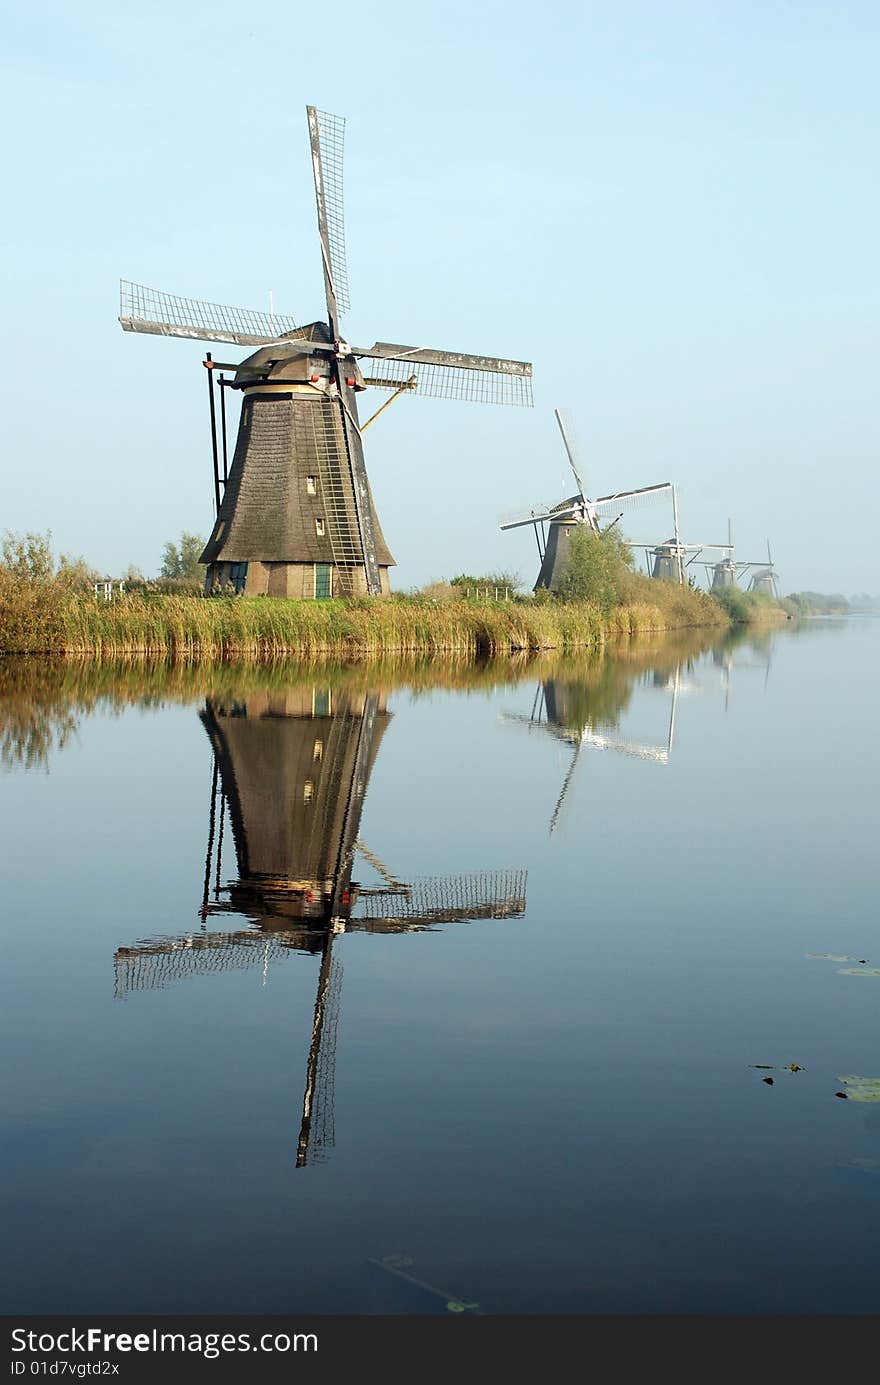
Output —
(832, 957)
(794, 1067)
(863, 1165)
(858, 971)
(762, 1065)
(861, 1088)
(843, 1095)
(768, 1080)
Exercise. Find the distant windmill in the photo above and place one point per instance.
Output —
(292, 771)
(671, 559)
(553, 714)
(727, 571)
(765, 579)
(554, 526)
(296, 516)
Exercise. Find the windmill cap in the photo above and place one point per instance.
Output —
(266, 359)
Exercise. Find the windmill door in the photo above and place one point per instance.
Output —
(323, 581)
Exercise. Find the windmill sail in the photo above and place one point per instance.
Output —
(142, 309)
(450, 374)
(566, 428)
(318, 1126)
(634, 499)
(327, 136)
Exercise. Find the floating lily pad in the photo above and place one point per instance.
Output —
(861, 1088)
(863, 1165)
(858, 971)
(833, 957)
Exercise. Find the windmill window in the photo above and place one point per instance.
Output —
(318, 750)
(319, 528)
(308, 791)
(311, 488)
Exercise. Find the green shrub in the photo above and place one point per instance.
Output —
(595, 567)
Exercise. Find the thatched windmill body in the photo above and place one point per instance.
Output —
(555, 525)
(295, 514)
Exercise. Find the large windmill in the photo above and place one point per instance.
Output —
(555, 525)
(290, 773)
(295, 514)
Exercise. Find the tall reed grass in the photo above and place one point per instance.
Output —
(42, 621)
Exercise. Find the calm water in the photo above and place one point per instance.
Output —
(574, 903)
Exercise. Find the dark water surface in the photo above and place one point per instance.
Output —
(517, 933)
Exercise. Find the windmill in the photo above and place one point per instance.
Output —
(765, 579)
(670, 559)
(294, 513)
(554, 526)
(727, 571)
(558, 710)
(290, 772)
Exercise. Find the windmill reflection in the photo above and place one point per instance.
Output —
(290, 772)
(586, 717)
(757, 643)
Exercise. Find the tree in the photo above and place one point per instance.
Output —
(596, 567)
(182, 560)
(28, 557)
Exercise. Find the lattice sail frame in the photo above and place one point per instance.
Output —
(331, 142)
(322, 1126)
(143, 309)
(626, 501)
(632, 500)
(452, 382)
(154, 965)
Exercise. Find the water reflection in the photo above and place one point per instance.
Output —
(290, 773)
(247, 813)
(586, 715)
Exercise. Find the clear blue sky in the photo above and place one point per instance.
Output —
(671, 208)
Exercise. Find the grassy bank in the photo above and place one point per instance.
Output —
(38, 618)
(752, 608)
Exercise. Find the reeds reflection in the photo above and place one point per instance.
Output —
(42, 701)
